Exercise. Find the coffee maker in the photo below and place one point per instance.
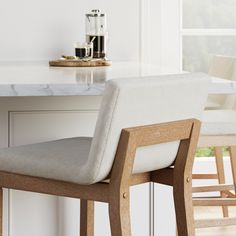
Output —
(96, 32)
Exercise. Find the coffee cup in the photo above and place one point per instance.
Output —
(84, 50)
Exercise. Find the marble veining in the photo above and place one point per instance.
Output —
(51, 90)
(38, 79)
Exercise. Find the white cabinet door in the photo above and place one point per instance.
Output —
(38, 126)
(164, 212)
(38, 214)
(140, 210)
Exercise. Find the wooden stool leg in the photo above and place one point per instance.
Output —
(86, 218)
(184, 206)
(221, 175)
(1, 212)
(232, 153)
(119, 214)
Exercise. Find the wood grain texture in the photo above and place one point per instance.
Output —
(221, 175)
(86, 218)
(214, 213)
(163, 176)
(214, 202)
(1, 212)
(187, 131)
(97, 192)
(182, 182)
(79, 63)
(213, 188)
(215, 223)
(119, 205)
(232, 154)
(204, 176)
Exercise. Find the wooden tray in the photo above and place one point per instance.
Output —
(80, 63)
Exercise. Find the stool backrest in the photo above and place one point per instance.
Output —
(131, 102)
(222, 66)
(230, 100)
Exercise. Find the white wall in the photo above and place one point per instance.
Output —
(160, 32)
(43, 29)
(145, 30)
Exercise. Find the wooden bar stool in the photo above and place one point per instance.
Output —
(218, 131)
(104, 167)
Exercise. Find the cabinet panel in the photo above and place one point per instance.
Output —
(140, 210)
(32, 214)
(40, 126)
(164, 211)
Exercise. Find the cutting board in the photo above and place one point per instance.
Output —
(80, 63)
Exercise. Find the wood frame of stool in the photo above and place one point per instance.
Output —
(116, 190)
(228, 198)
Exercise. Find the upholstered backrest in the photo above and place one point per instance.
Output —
(222, 66)
(133, 102)
(230, 100)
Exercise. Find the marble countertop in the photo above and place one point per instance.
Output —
(38, 79)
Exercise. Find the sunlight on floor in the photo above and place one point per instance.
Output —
(214, 212)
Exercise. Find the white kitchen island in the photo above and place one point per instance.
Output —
(39, 103)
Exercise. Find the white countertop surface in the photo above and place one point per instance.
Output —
(38, 79)
(41, 73)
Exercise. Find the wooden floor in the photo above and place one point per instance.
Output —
(212, 212)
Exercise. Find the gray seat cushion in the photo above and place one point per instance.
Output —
(60, 159)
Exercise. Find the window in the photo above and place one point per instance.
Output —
(208, 28)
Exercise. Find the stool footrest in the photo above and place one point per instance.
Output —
(205, 176)
(214, 202)
(215, 222)
(213, 188)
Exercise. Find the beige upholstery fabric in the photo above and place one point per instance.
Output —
(219, 122)
(61, 159)
(126, 103)
(223, 67)
(142, 101)
(230, 101)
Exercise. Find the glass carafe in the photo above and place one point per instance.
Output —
(96, 32)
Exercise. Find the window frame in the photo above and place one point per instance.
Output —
(199, 32)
